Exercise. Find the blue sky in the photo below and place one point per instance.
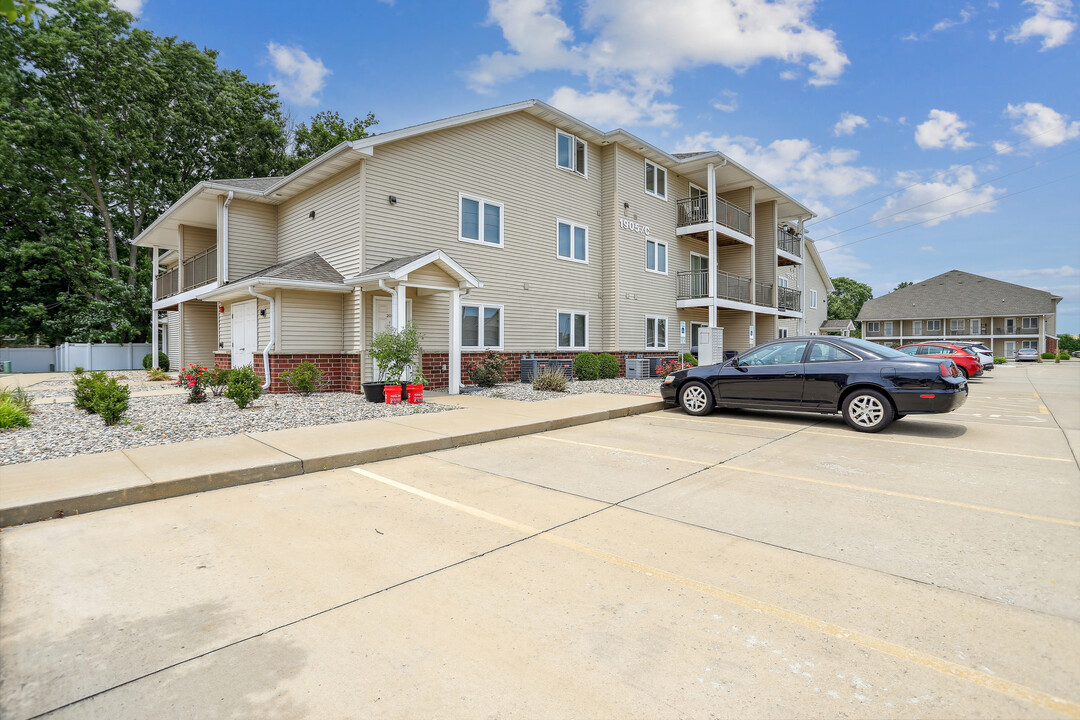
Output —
(961, 116)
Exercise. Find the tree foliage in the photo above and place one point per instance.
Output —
(326, 131)
(904, 284)
(847, 298)
(1068, 343)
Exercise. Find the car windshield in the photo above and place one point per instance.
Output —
(879, 350)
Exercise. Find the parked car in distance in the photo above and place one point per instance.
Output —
(870, 384)
(1027, 355)
(969, 364)
(986, 357)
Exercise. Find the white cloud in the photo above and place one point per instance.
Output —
(952, 192)
(942, 129)
(614, 108)
(928, 248)
(132, 6)
(1002, 148)
(727, 102)
(1042, 126)
(639, 45)
(1053, 21)
(301, 76)
(797, 165)
(965, 15)
(848, 123)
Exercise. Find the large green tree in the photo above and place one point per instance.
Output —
(847, 298)
(102, 127)
(327, 129)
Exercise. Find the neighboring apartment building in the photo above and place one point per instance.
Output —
(518, 229)
(960, 306)
(807, 283)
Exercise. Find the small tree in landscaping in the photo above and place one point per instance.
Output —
(305, 378)
(609, 366)
(86, 387)
(586, 366)
(244, 386)
(193, 378)
(394, 350)
(111, 401)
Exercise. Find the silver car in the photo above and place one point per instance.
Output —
(1027, 355)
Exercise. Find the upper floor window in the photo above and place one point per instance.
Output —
(781, 332)
(656, 256)
(481, 221)
(571, 153)
(813, 298)
(655, 180)
(873, 327)
(572, 242)
(1029, 323)
(573, 330)
(781, 282)
(481, 327)
(957, 325)
(933, 326)
(888, 327)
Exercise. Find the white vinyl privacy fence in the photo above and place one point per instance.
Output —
(66, 357)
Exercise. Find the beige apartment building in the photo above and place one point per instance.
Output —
(961, 306)
(518, 229)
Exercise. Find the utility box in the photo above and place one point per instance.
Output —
(710, 345)
(531, 366)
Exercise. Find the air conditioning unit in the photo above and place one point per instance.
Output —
(638, 368)
(533, 366)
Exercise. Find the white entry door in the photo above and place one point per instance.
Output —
(1010, 348)
(383, 319)
(245, 332)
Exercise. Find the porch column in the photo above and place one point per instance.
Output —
(180, 255)
(397, 307)
(711, 204)
(1042, 334)
(454, 363)
(153, 313)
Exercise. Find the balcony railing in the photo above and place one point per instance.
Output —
(788, 299)
(695, 284)
(168, 284)
(693, 211)
(763, 294)
(200, 269)
(1016, 331)
(789, 241)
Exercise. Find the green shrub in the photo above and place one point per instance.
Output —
(244, 386)
(111, 400)
(193, 378)
(217, 379)
(1048, 356)
(586, 366)
(689, 359)
(19, 397)
(609, 366)
(305, 378)
(1063, 356)
(162, 360)
(998, 360)
(394, 350)
(78, 370)
(551, 380)
(156, 375)
(12, 415)
(86, 389)
(490, 371)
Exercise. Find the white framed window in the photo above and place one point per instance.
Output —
(957, 325)
(781, 282)
(656, 256)
(572, 241)
(655, 180)
(781, 332)
(975, 326)
(571, 153)
(1029, 323)
(573, 330)
(916, 327)
(933, 326)
(480, 220)
(655, 332)
(481, 327)
(873, 327)
(813, 298)
(1030, 344)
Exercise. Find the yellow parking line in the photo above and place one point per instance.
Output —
(922, 498)
(900, 652)
(939, 447)
(619, 449)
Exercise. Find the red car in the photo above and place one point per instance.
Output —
(968, 364)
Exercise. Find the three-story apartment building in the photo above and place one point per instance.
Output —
(518, 229)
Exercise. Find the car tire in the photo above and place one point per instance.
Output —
(868, 411)
(964, 373)
(695, 398)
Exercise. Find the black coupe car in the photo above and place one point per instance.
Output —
(871, 384)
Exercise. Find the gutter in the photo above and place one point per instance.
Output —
(225, 237)
(270, 344)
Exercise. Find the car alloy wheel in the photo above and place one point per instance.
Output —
(696, 399)
(867, 411)
(964, 373)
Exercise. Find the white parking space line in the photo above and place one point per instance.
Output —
(621, 450)
(900, 652)
(950, 448)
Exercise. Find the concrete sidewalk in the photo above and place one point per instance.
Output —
(53, 488)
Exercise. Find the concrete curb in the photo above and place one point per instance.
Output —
(129, 477)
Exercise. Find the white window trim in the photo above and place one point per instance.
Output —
(666, 328)
(560, 221)
(1024, 325)
(874, 326)
(573, 154)
(572, 313)
(781, 333)
(813, 299)
(480, 327)
(667, 256)
(662, 196)
(930, 328)
(781, 282)
(482, 201)
(887, 328)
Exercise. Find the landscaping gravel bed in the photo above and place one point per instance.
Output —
(617, 386)
(64, 431)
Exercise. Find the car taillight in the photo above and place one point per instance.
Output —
(948, 369)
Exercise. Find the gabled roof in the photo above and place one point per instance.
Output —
(398, 269)
(838, 325)
(959, 294)
(309, 268)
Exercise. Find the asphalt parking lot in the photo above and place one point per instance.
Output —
(738, 565)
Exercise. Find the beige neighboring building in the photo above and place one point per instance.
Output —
(961, 306)
(807, 283)
(518, 229)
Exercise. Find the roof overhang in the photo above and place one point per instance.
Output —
(235, 290)
(370, 280)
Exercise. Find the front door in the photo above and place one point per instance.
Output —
(1010, 326)
(1010, 348)
(699, 279)
(383, 319)
(245, 332)
(695, 330)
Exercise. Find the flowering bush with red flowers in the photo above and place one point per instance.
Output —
(672, 366)
(193, 378)
(490, 371)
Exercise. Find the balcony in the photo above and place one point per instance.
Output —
(695, 284)
(763, 294)
(788, 299)
(199, 270)
(694, 211)
(790, 242)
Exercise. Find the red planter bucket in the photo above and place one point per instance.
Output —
(416, 394)
(392, 393)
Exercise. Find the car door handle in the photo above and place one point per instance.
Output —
(791, 374)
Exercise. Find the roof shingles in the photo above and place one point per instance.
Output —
(959, 294)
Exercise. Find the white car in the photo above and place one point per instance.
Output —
(986, 357)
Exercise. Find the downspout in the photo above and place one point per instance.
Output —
(225, 239)
(270, 344)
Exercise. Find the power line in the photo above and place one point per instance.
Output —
(1005, 147)
(954, 212)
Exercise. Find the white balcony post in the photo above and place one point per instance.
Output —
(802, 278)
(711, 203)
(397, 314)
(454, 364)
(180, 258)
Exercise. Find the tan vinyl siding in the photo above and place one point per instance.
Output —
(197, 239)
(765, 244)
(431, 315)
(200, 332)
(224, 329)
(508, 160)
(736, 324)
(173, 334)
(740, 198)
(252, 237)
(354, 322)
(310, 322)
(736, 259)
(335, 231)
(609, 247)
(765, 327)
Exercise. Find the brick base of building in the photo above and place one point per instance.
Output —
(343, 372)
